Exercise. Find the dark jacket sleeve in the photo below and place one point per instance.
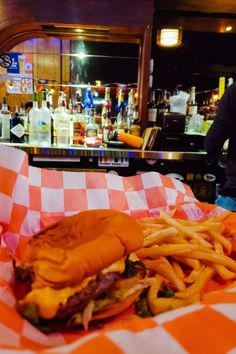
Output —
(222, 126)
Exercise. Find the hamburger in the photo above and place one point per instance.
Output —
(79, 271)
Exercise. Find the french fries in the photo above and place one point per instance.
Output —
(182, 256)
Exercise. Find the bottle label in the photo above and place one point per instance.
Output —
(162, 110)
(18, 130)
(78, 132)
(152, 114)
(105, 134)
(91, 133)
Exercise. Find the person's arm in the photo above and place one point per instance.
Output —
(222, 126)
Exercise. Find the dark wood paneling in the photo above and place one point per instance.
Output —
(25, 17)
(196, 23)
(46, 65)
(213, 6)
(124, 21)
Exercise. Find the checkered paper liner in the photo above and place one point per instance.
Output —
(31, 197)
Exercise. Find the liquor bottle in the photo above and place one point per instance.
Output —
(120, 105)
(152, 109)
(70, 106)
(79, 104)
(106, 106)
(106, 129)
(25, 118)
(17, 130)
(88, 102)
(60, 98)
(91, 135)
(5, 121)
(34, 121)
(79, 126)
(131, 108)
(192, 107)
(121, 125)
(44, 127)
(62, 125)
(163, 105)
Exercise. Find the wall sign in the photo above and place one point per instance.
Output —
(5, 61)
(19, 85)
(18, 76)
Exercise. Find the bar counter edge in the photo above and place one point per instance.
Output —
(78, 151)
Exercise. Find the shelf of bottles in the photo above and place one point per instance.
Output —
(94, 117)
(199, 108)
(83, 120)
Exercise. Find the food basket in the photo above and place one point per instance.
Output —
(31, 198)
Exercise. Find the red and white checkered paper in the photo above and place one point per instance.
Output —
(31, 198)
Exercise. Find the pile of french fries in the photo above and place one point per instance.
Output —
(183, 256)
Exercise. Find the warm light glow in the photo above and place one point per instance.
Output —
(79, 30)
(228, 29)
(169, 37)
(98, 83)
(215, 97)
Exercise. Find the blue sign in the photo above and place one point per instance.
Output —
(14, 68)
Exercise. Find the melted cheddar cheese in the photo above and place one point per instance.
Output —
(48, 299)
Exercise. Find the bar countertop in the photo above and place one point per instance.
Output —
(71, 152)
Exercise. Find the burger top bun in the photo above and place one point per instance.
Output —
(76, 247)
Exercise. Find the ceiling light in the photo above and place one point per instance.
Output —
(169, 37)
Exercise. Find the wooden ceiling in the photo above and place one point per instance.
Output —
(197, 15)
(207, 6)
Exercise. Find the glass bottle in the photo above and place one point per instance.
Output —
(79, 127)
(62, 125)
(17, 130)
(121, 125)
(5, 117)
(91, 129)
(192, 107)
(106, 106)
(120, 106)
(34, 121)
(107, 128)
(88, 102)
(25, 118)
(163, 103)
(79, 104)
(131, 108)
(44, 127)
(152, 109)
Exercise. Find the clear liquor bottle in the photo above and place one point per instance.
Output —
(44, 128)
(34, 121)
(62, 125)
(91, 135)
